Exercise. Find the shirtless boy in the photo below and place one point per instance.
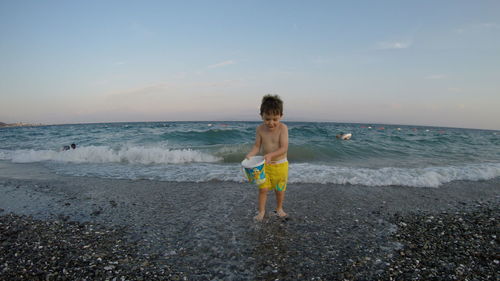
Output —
(271, 139)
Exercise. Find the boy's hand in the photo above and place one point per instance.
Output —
(268, 159)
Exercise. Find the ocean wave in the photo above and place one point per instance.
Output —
(299, 173)
(209, 136)
(391, 176)
(104, 154)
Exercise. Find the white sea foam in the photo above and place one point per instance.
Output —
(415, 177)
(158, 163)
(5, 154)
(299, 173)
(306, 173)
(104, 154)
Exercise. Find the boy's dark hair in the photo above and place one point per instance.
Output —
(271, 105)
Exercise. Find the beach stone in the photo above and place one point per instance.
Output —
(214, 238)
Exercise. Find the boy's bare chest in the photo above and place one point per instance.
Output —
(271, 137)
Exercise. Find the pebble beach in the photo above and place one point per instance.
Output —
(81, 228)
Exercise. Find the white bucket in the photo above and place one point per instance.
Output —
(254, 169)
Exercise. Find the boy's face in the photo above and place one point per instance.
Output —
(271, 120)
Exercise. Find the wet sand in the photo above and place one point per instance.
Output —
(205, 231)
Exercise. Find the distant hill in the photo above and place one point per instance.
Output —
(18, 124)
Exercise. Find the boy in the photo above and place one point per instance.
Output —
(272, 136)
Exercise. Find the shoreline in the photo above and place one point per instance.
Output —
(202, 231)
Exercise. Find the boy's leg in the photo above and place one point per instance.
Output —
(262, 204)
(280, 197)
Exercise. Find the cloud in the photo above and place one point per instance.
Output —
(436, 76)
(222, 64)
(478, 27)
(394, 45)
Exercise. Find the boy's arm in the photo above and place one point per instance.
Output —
(283, 145)
(256, 146)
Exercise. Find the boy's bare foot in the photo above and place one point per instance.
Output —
(259, 217)
(281, 213)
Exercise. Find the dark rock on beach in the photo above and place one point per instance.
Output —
(460, 245)
(447, 246)
(55, 250)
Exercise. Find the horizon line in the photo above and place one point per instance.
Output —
(29, 124)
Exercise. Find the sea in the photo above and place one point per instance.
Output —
(376, 154)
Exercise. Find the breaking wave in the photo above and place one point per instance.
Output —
(104, 154)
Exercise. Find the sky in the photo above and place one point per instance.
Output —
(420, 62)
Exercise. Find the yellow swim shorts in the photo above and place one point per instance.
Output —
(276, 176)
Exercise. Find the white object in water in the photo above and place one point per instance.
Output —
(346, 136)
